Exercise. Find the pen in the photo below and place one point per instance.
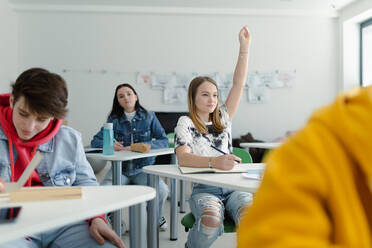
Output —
(224, 153)
(116, 141)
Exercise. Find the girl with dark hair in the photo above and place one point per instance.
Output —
(134, 124)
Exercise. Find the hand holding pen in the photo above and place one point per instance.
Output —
(118, 146)
(224, 162)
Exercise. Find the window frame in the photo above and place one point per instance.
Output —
(363, 25)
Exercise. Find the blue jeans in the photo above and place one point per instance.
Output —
(141, 179)
(208, 205)
(73, 236)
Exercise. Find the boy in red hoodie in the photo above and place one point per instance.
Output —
(30, 121)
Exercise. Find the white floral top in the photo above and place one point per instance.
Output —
(187, 134)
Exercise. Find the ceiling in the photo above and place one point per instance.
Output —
(272, 5)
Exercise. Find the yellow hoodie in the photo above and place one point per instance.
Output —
(316, 191)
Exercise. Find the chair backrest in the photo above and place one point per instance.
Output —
(243, 154)
(100, 168)
(169, 120)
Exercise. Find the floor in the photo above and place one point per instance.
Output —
(227, 240)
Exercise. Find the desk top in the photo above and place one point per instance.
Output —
(234, 181)
(264, 145)
(41, 216)
(129, 155)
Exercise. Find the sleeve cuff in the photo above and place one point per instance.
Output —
(102, 216)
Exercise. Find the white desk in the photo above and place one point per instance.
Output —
(36, 217)
(264, 145)
(233, 181)
(116, 160)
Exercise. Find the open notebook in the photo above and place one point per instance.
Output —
(239, 168)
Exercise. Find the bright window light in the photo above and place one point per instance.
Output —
(366, 53)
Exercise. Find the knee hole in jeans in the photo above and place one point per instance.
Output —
(211, 218)
(209, 224)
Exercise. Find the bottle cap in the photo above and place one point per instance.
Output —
(108, 126)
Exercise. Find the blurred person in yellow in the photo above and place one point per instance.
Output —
(316, 191)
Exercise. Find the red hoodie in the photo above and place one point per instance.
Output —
(25, 149)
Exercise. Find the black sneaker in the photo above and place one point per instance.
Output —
(109, 217)
(163, 225)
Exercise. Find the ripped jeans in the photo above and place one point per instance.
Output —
(208, 205)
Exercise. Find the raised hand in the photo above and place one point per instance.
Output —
(244, 36)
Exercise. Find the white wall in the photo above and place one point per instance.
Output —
(8, 46)
(183, 43)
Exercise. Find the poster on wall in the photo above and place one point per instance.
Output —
(285, 79)
(184, 79)
(145, 77)
(162, 79)
(258, 85)
(223, 94)
(258, 94)
(254, 80)
(224, 80)
(175, 95)
(273, 80)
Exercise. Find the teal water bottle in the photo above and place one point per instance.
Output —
(108, 139)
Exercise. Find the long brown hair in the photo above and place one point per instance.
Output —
(214, 116)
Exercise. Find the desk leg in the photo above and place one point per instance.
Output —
(152, 214)
(174, 212)
(182, 196)
(137, 225)
(116, 180)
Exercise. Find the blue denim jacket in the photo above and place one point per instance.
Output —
(144, 128)
(63, 164)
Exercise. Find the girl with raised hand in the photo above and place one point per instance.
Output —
(210, 125)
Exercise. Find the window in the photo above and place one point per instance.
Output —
(366, 53)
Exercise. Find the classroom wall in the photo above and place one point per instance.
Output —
(93, 46)
(8, 46)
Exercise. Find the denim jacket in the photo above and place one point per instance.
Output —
(63, 164)
(144, 128)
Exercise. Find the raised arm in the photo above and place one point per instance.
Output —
(240, 73)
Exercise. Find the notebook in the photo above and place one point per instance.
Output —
(93, 150)
(239, 168)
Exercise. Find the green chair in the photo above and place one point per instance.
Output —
(229, 226)
(243, 154)
(170, 137)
